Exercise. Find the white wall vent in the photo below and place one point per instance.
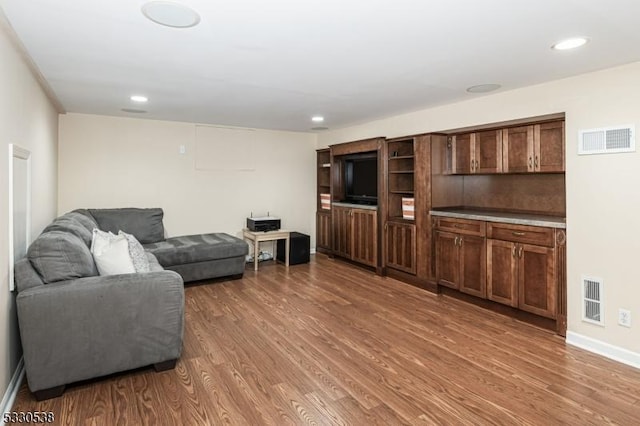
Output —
(592, 300)
(607, 140)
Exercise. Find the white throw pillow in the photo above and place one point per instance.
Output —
(111, 253)
(137, 253)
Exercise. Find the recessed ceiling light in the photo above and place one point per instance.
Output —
(171, 14)
(139, 98)
(319, 128)
(483, 88)
(570, 43)
(317, 119)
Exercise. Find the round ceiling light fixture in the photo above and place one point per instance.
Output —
(317, 119)
(483, 88)
(139, 99)
(170, 14)
(570, 43)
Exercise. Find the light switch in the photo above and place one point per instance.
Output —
(183, 149)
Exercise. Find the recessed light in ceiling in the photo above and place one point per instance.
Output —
(570, 43)
(483, 88)
(317, 119)
(171, 14)
(320, 128)
(134, 111)
(139, 99)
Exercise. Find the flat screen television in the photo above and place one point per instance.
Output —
(361, 179)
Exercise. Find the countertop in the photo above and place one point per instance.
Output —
(354, 205)
(493, 216)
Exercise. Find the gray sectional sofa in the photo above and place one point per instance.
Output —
(77, 325)
(194, 257)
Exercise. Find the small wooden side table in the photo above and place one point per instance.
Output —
(257, 237)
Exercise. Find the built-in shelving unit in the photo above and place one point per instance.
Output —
(401, 175)
(323, 201)
(407, 231)
(324, 177)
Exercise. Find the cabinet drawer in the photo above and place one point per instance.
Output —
(521, 234)
(461, 226)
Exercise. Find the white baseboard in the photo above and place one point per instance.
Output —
(13, 388)
(615, 353)
(312, 251)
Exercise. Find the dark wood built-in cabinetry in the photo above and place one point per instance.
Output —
(407, 240)
(535, 148)
(323, 211)
(507, 171)
(477, 152)
(356, 229)
(355, 234)
(460, 255)
(521, 265)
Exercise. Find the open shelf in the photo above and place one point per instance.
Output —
(323, 176)
(400, 177)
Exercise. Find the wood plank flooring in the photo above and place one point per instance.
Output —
(330, 344)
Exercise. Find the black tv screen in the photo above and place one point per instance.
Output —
(361, 180)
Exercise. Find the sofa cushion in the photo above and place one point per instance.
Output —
(60, 256)
(197, 248)
(144, 224)
(72, 225)
(84, 217)
(111, 253)
(137, 253)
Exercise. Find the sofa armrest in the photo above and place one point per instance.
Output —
(94, 326)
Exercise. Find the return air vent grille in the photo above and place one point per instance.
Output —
(592, 306)
(607, 140)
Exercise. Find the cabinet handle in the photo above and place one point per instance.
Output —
(536, 161)
(530, 160)
(386, 226)
(518, 234)
(513, 251)
(455, 241)
(460, 242)
(520, 252)
(477, 165)
(472, 165)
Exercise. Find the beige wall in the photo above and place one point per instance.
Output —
(28, 119)
(119, 162)
(603, 195)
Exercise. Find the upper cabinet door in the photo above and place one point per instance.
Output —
(461, 153)
(488, 152)
(549, 147)
(517, 150)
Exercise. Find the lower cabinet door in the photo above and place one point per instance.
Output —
(365, 237)
(341, 226)
(323, 231)
(537, 280)
(502, 272)
(401, 246)
(473, 263)
(447, 259)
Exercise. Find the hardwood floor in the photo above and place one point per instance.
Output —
(327, 343)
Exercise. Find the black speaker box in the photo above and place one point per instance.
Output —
(298, 248)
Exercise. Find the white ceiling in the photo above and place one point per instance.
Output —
(273, 64)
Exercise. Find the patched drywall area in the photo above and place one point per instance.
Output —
(206, 178)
